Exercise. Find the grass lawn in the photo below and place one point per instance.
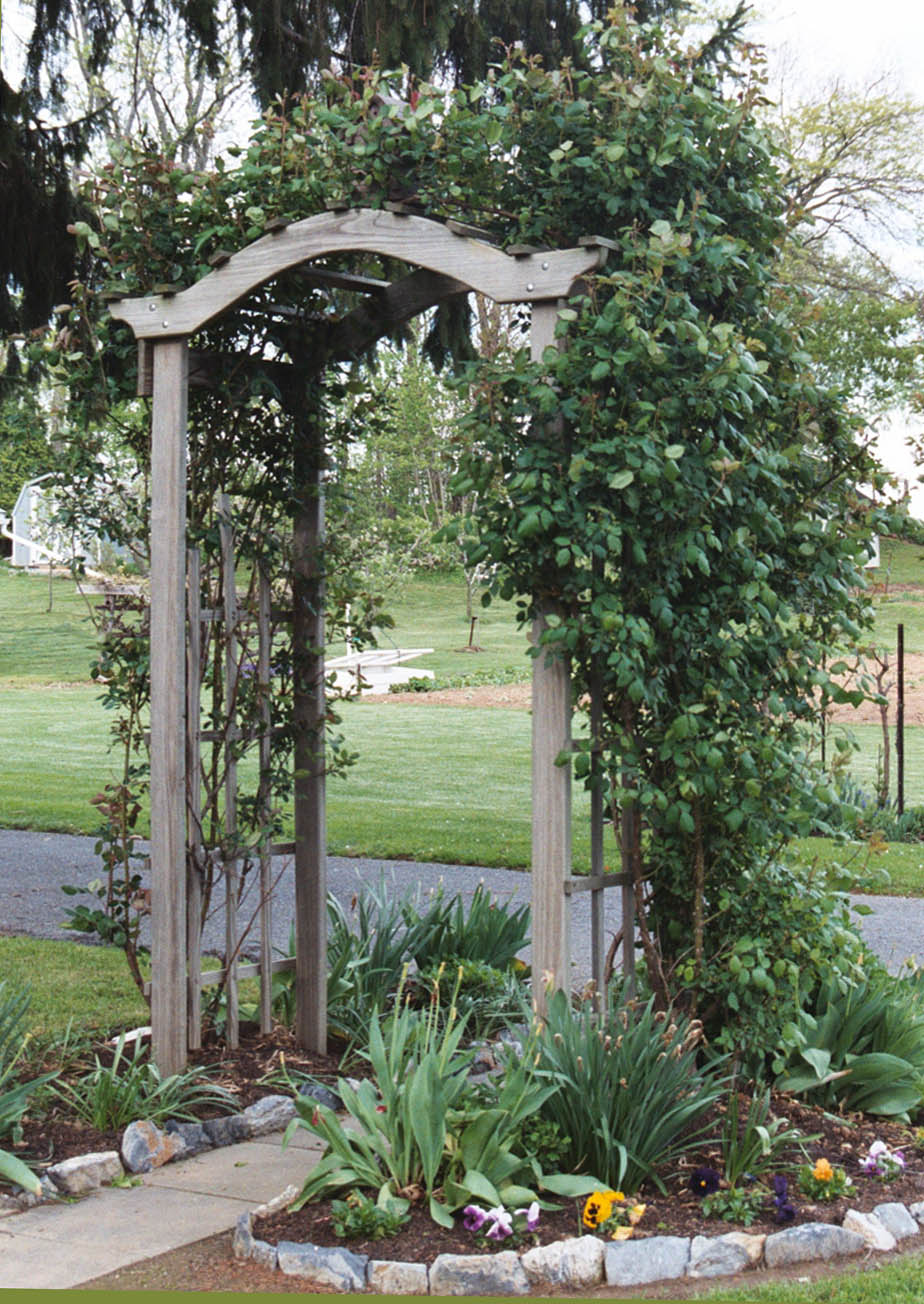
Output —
(38, 646)
(429, 611)
(70, 981)
(890, 1279)
(432, 783)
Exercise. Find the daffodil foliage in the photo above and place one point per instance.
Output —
(669, 482)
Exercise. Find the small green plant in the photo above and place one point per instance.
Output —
(14, 1007)
(861, 1048)
(752, 1147)
(131, 1087)
(737, 1204)
(357, 1217)
(821, 1181)
(542, 1139)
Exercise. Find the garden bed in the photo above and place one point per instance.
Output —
(678, 1213)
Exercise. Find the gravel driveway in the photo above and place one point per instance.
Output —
(33, 866)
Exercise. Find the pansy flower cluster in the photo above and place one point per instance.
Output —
(884, 1163)
(822, 1182)
(611, 1214)
(500, 1223)
(785, 1211)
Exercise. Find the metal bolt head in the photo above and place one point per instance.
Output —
(165, 323)
(545, 266)
(530, 286)
(152, 307)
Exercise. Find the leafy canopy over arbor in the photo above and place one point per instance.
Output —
(284, 48)
(671, 482)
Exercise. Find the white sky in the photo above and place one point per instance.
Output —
(854, 41)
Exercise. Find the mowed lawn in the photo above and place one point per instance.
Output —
(432, 782)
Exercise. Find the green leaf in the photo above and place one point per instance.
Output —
(570, 1184)
(14, 1170)
(480, 1187)
(440, 1214)
(621, 480)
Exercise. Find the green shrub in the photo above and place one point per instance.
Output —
(775, 934)
(859, 1047)
(487, 999)
(628, 1091)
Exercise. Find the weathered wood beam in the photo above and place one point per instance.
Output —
(551, 736)
(418, 241)
(168, 692)
(309, 713)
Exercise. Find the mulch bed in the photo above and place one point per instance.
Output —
(248, 1073)
(844, 1142)
(56, 1135)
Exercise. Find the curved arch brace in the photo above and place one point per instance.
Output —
(416, 240)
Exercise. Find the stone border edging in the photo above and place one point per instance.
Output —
(145, 1147)
(581, 1261)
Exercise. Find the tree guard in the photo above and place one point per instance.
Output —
(451, 262)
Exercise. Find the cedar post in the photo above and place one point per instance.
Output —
(551, 783)
(168, 682)
(309, 719)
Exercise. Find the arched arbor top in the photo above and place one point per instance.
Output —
(468, 262)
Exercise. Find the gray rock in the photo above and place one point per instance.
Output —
(388, 1278)
(271, 1114)
(336, 1268)
(752, 1244)
(85, 1173)
(656, 1258)
(264, 1254)
(478, 1274)
(714, 1256)
(867, 1225)
(917, 1211)
(192, 1135)
(228, 1130)
(897, 1219)
(810, 1241)
(242, 1240)
(280, 1201)
(145, 1146)
(576, 1263)
(323, 1095)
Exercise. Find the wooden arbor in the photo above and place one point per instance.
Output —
(451, 260)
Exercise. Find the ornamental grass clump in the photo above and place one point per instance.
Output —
(629, 1092)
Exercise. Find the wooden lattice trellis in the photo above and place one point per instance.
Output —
(450, 260)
